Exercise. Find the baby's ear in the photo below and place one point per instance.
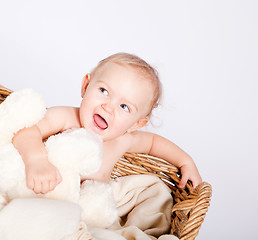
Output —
(85, 82)
(141, 123)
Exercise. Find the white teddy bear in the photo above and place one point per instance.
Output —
(76, 153)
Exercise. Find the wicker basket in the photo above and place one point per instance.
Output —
(4, 92)
(189, 205)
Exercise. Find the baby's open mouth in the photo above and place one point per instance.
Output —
(100, 121)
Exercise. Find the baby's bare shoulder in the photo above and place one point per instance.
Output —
(58, 119)
(140, 142)
(67, 116)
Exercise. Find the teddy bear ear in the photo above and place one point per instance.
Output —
(20, 109)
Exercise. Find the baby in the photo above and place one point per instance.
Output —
(117, 99)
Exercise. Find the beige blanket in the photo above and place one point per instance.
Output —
(144, 204)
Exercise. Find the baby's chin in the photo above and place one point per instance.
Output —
(108, 136)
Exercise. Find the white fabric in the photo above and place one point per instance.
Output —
(38, 219)
(144, 205)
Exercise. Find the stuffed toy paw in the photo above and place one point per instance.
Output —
(99, 211)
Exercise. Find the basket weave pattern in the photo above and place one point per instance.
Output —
(189, 205)
(4, 92)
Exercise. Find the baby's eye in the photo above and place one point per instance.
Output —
(104, 91)
(125, 107)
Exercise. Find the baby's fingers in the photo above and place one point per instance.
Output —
(196, 181)
(54, 182)
(52, 185)
(58, 177)
(183, 181)
(45, 187)
(37, 187)
(194, 184)
(30, 183)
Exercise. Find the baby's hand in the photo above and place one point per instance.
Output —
(189, 171)
(42, 176)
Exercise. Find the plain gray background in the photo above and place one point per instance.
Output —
(207, 56)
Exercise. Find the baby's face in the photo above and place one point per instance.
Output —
(116, 99)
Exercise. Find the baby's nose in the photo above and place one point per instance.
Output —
(108, 107)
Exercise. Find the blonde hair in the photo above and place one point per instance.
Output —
(147, 71)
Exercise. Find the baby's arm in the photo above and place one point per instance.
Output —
(41, 175)
(161, 147)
